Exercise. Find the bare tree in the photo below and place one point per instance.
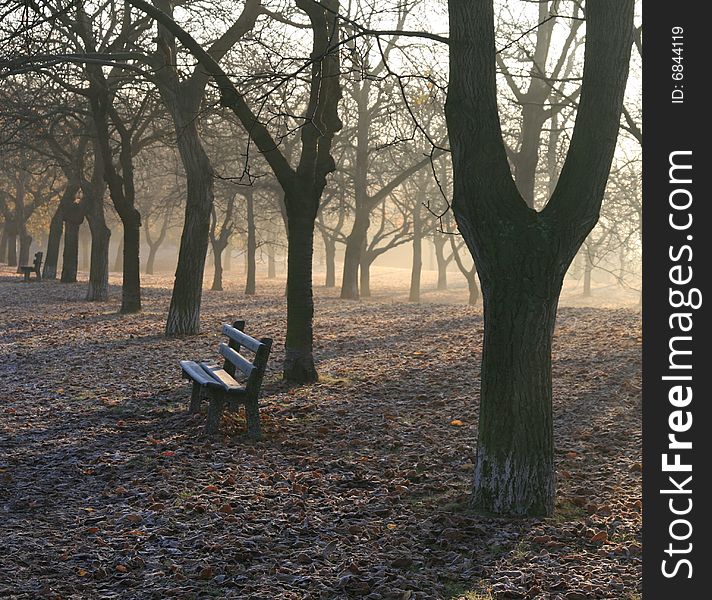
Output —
(522, 255)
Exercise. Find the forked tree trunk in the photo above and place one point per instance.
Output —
(251, 253)
(522, 255)
(70, 255)
(299, 359)
(56, 227)
(515, 448)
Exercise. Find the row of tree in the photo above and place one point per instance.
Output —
(341, 116)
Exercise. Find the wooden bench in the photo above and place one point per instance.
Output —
(218, 383)
(35, 267)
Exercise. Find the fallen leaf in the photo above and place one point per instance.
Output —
(601, 536)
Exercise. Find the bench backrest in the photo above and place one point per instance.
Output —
(234, 361)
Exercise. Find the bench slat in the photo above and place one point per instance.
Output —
(221, 375)
(193, 370)
(236, 359)
(241, 338)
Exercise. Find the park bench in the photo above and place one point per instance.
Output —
(35, 267)
(219, 383)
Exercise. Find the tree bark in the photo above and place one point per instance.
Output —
(131, 282)
(514, 470)
(73, 213)
(218, 249)
(251, 254)
(473, 289)
(184, 312)
(330, 260)
(299, 359)
(56, 227)
(439, 242)
(94, 190)
(98, 289)
(70, 256)
(365, 275)
(355, 245)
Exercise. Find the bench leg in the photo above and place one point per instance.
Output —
(27, 276)
(196, 396)
(215, 410)
(252, 414)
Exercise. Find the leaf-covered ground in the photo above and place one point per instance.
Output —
(109, 489)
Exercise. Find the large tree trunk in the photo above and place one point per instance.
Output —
(514, 470)
(98, 290)
(131, 284)
(417, 268)
(70, 256)
(299, 360)
(251, 253)
(56, 226)
(184, 312)
(355, 246)
(522, 255)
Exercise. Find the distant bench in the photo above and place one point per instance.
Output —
(219, 385)
(35, 267)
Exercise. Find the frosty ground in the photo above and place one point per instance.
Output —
(359, 489)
